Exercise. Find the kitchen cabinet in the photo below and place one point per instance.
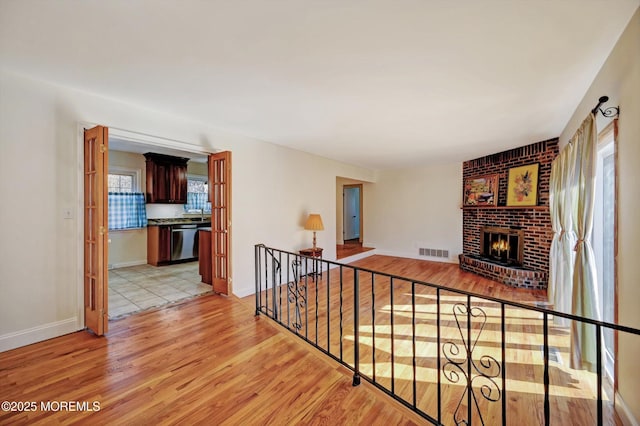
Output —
(173, 240)
(205, 255)
(166, 179)
(158, 245)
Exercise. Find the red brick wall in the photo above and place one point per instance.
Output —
(536, 223)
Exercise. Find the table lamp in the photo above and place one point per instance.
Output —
(314, 223)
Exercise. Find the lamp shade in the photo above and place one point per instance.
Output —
(314, 223)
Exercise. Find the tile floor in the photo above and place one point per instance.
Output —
(137, 288)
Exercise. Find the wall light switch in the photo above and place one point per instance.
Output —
(67, 213)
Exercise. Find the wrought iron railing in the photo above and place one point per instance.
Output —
(452, 356)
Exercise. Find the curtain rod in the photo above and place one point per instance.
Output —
(607, 112)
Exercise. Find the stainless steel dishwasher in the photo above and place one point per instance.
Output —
(184, 242)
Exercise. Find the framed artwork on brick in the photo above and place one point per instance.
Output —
(522, 188)
(481, 191)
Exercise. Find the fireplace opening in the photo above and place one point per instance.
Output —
(502, 245)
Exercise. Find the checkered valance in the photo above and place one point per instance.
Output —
(197, 201)
(127, 210)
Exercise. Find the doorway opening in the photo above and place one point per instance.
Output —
(350, 229)
(135, 283)
(136, 280)
(352, 214)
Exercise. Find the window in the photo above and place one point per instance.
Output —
(604, 237)
(197, 186)
(197, 195)
(123, 179)
(120, 182)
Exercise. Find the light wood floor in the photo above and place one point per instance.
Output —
(204, 361)
(572, 393)
(210, 361)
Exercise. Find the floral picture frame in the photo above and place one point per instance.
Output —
(522, 187)
(479, 191)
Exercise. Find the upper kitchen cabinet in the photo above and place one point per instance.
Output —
(166, 179)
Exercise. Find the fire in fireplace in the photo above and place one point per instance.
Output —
(502, 245)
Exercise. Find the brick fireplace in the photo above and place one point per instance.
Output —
(529, 228)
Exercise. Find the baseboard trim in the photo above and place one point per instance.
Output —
(37, 334)
(417, 257)
(624, 412)
(126, 264)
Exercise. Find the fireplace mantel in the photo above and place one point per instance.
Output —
(505, 208)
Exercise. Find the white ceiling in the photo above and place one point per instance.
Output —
(383, 84)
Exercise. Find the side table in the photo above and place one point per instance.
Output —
(315, 254)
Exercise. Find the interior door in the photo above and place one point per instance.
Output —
(95, 229)
(220, 197)
(351, 212)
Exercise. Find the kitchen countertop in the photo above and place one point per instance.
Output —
(178, 221)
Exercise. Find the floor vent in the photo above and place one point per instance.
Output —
(434, 252)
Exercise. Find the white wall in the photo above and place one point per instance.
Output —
(619, 79)
(163, 211)
(274, 188)
(284, 186)
(127, 248)
(129, 160)
(196, 168)
(412, 208)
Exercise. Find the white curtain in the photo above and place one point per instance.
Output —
(584, 301)
(562, 256)
(572, 273)
(554, 253)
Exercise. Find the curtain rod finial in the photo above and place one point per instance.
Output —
(607, 112)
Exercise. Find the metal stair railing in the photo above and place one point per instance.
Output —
(310, 297)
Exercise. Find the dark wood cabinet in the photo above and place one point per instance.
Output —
(204, 258)
(178, 183)
(158, 244)
(166, 179)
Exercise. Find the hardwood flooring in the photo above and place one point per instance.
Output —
(349, 249)
(204, 361)
(211, 361)
(386, 326)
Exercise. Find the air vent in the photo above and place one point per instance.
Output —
(434, 252)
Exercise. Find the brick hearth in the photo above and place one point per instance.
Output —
(535, 222)
(512, 276)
